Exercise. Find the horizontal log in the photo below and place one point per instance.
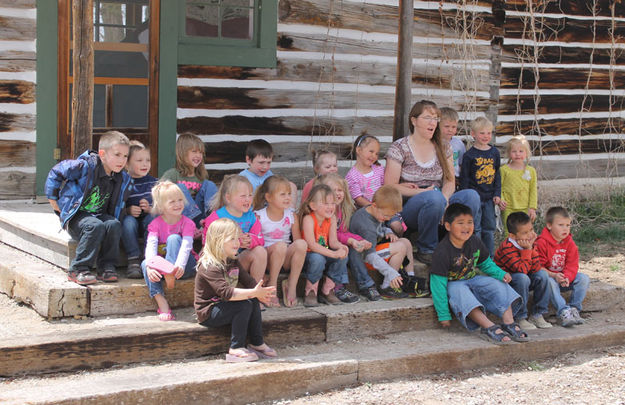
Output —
(16, 55)
(562, 54)
(329, 71)
(552, 104)
(381, 18)
(563, 29)
(17, 91)
(14, 29)
(16, 185)
(589, 126)
(233, 98)
(288, 41)
(574, 168)
(378, 126)
(18, 3)
(573, 147)
(574, 7)
(298, 175)
(17, 153)
(561, 78)
(19, 65)
(17, 122)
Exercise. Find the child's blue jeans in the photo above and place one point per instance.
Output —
(537, 282)
(578, 289)
(317, 263)
(483, 292)
(198, 208)
(172, 248)
(132, 229)
(97, 237)
(245, 318)
(488, 224)
(359, 270)
(424, 211)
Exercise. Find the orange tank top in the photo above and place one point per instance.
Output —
(322, 232)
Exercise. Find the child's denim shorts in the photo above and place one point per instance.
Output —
(482, 292)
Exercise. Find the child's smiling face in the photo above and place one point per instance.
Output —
(241, 198)
(195, 157)
(280, 198)
(139, 164)
(327, 164)
(231, 248)
(368, 153)
(324, 208)
(461, 229)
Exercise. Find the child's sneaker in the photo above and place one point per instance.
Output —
(539, 321)
(329, 299)
(390, 293)
(371, 293)
(566, 318)
(134, 268)
(575, 314)
(108, 276)
(346, 296)
(526, 325)
(310, 300)
(81, 277)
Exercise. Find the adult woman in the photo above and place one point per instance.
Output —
(421, 167)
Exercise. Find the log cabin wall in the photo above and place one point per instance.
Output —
(17, 98)
(336, 72)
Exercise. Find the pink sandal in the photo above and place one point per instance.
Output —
(242, 355)
(165, 316)
(266, 353)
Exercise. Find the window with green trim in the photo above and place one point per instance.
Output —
(228, 32)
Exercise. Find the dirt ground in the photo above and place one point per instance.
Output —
(595, 377)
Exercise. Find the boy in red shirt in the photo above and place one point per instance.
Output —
(516, 256)
(559, 256)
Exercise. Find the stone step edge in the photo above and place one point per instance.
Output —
(321, 369)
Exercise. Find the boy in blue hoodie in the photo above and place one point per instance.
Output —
(89, 196)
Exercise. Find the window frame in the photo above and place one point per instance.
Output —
(259, 52)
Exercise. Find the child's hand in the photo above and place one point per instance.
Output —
(245, 240)
(264, 294)
(134, 210)
(366, 245)
(497, 200)
(564, 282)
(445, 324)
(55, 205)
(145, 205)
(396, 282)
(507, 278)
(532, 213)
(560, 278)
(392, 237)
(178, 272)
(197, 234)
(153, 275)
(341, 252)
(526, 243)
(502, 204)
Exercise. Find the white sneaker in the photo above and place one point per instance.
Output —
(525, 325)
(566, 318)
(575, 314)
(539, 321)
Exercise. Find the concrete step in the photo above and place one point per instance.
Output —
(308, 368)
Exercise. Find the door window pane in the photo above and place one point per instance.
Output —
(220, 18)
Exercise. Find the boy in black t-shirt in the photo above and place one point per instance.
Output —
(454, 278)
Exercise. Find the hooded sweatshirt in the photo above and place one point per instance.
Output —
(560, 257)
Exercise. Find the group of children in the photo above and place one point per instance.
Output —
(250, 226)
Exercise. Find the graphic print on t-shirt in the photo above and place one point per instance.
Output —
(94, 201)
(485, 173)
(464, 267)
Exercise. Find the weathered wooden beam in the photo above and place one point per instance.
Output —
(17, 91)
(17, 153)
(563, 54)
(403, 82)
(83, 66)
(590, 126)
(17, 29)
(18, 3)
(16, 185)
(17, 122)
(573, 7)
(564, 103)
(553, 78)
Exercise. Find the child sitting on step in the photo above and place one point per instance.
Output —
(559, 256)
(517, 256)
(220, 301)
(170, 235)
(455, 283)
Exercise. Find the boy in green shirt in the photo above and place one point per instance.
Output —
(455, 283)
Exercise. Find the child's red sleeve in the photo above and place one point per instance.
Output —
(209, 220)
(541, 248)
(571, 262)
(256, 234)
(513, 260)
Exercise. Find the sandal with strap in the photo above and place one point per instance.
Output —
(241, 355)
(266, 353)
(516, 333)
(491, 335)
(165, 316)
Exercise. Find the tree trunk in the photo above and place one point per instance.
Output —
(82, 92)
(403, 84)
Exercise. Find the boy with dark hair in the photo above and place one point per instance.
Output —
(559, 256)
(89, 196)
(517, 256)
(387, 258)
(455, 283)
(258, 156)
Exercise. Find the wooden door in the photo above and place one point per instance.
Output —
(125, 72)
